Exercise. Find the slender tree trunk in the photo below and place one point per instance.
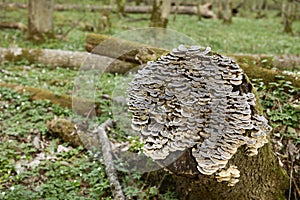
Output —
(288, 14)
(40, 20)
(262, 7)
(121, 8)
(160, 13)
(225, 11)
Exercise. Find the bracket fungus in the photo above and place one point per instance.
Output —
(197, 100)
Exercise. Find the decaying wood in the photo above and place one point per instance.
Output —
(140, 53)
(82, 105)
(283, 61)
(65, 130)
(122, 49)
(66, 59)
(206, 9)
(108, 160)
(253, 64)
(13, 25)
(64, 101)
(68, 132)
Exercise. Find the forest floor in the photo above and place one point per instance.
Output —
(36, 165)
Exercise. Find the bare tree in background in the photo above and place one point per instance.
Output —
(289, 12)
(40, 19)
(160, 13)
(225, 11)
(262, 8)
(120, 8)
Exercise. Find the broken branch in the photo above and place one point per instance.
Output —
(108, 160)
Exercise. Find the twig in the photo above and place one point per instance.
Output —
(291, 178)
(296, 187)
(108, 160)
(64, 35)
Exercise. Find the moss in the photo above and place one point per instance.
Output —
(30, 55)
(65, 130)
(83, 106)
(266, 75)
(132, 50)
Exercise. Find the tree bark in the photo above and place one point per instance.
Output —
(225, 11)
(40, 19)
(121, 8)
(288, 14)
(61, 58)
(139, 53)
(261, 178)
(160, 13)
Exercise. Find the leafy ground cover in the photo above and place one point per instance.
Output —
(35, 165)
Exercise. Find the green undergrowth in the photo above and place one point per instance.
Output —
(280, 101)
(34, 165)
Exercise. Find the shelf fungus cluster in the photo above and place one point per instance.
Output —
(193, 99)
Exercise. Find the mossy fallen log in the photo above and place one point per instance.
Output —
(82, 105)
(13, 25)
(65, 130)
(66, 59)
(284, 61)
(141, 53)
(122, 49)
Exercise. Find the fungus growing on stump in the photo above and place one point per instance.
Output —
(198, 101)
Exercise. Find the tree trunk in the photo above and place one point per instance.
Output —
(288, 14)
(40, 19)
(160, 13)
(121, 8)
(261, 10)
(261, 177)
(225, 11)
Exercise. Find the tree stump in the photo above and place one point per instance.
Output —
(199, 119)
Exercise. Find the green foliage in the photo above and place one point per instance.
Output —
(58, 80)
(280, 101)
(23, 116)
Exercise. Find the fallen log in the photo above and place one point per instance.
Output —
(83, 106)
(205, 10)
(105, 61)
(122, 49)
(13, 25)
(282, 62)
(141, 53)
(65, 130)
(66, 59)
